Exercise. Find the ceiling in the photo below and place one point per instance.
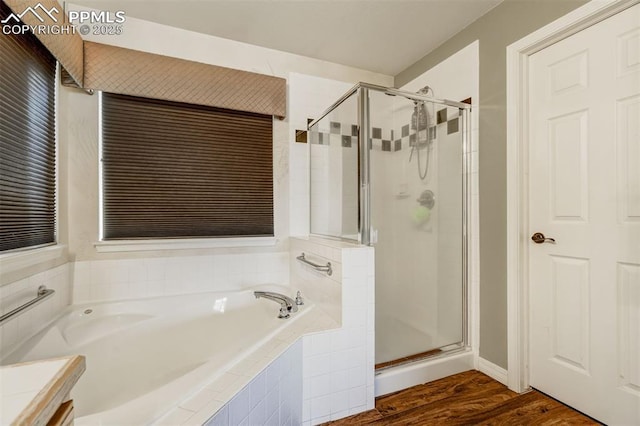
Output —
(384, 36)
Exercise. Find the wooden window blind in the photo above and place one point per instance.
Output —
(27, 141)
(175, 170)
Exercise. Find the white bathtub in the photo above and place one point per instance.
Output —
(146, 356)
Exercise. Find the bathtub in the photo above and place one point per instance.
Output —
(146, 356)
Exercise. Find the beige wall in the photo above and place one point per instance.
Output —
(508, 22)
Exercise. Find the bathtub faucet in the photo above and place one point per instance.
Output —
(287, 304)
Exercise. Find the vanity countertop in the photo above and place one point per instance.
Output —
(31, 392)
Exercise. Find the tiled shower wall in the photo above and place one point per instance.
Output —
(334, 175)
(309, 97)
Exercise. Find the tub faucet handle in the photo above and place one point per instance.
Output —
(284, 313)
(299, 300)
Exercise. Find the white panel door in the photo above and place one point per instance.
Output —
(584, 192)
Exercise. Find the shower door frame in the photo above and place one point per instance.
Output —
(364, 194)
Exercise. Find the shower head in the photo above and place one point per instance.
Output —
(425, 90)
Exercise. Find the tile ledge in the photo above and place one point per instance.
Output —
(314, 321)
(181, 244)
(15, 261)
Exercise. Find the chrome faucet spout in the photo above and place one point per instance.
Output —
(287, 304)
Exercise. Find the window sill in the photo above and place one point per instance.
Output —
(10, 262)
(182, 244)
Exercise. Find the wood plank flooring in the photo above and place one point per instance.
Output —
(469, 398)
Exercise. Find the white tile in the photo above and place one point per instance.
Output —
(371, 398)
(25, 324)
(273, 419)
(339, 340)
(339, 361)
(258, 389)
(221, 418)
(319, 386)
(319, 364)
(338, 381)
(201, 417)
(357, 376)
(306, 410)
(355, 317)
(320, 343)
(137, 271)
(175, 417)
(257, 416)
(239, 406)
(108, 272)
(357, 397)
(199, 400)
(272, 400)
(9, 334)
(339, 415)
(243, 368)
(155, 270)
(320, 407)
(357, 410)
(82, 273)
(339, 401)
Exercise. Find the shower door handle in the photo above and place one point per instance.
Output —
(539, 238)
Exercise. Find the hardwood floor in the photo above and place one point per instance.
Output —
(469, 398)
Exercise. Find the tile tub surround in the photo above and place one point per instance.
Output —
(26, 324)
(273, 397)
(248, 389)
(338, 365)
(109, 280)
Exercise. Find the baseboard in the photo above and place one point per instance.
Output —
(495, 372)
(405, 376)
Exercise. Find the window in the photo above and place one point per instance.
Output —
(27, 141)
(175, 170)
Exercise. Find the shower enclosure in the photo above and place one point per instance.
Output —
(388, 169)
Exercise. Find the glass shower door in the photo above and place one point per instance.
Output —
(416, 172)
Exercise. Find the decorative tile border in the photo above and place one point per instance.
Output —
(379, 141)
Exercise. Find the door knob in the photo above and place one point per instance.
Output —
(539, 238)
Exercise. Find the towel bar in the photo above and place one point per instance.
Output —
(323, 268)
(43, 293)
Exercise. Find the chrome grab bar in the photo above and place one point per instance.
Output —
(43, 293)
(323, 268)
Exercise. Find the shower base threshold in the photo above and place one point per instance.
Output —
(409, 358)
(408, 374)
